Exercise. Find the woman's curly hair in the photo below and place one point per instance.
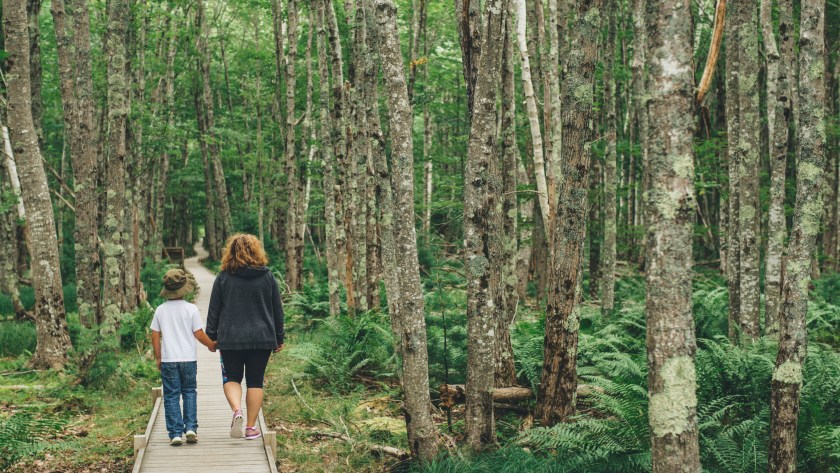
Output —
(243, 250)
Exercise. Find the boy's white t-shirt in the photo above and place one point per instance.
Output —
(177, 320)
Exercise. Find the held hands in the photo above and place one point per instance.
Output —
(212, 346)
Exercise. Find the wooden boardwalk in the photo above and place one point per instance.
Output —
(215, 450)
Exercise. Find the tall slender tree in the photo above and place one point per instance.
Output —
(77, 101)
(608, 251)
(786, 386)
(558, 384)
(115, 263)
(482, 209)
(780, 64)
(422, 433)
(670, 216)
(53, 340)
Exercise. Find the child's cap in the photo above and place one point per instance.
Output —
(176, 284)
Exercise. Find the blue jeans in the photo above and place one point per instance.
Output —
(179, 381)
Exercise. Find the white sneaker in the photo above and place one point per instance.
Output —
(191, 436)
(176, 441)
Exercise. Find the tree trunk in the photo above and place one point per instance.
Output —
(733, 129)
(533, 113)
(482, 209)
(749, 148)
(559, 374)
(339, 144)
(119, 107)
(77, 101)
(222, 217)
(780, 63)
(329, 164)
(295, 211)
(608, 250)
(9, 233)
(670, 217)
(422, 433)
(33, 12)
(508, 296)
(793, 338)
(53, 341)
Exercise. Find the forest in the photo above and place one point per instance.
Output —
(510, 235)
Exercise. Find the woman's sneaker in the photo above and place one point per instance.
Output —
(175, 441)
(252, 433)
(191, 436)
(236, 425)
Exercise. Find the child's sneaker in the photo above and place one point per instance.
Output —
(252, 433)
(175, 441)
(191, 436)
(236, 425)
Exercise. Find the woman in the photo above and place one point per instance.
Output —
(245, 317)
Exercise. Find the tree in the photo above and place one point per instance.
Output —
(607, 268)
(743, 148)
(670, 217)
(114, 264)
(53, 340)
(482, 219)
(787, 376)
(295, 212)
(780, 63)
(422, 433)
(558, 384)
(77, 100)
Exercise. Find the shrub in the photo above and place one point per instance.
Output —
(17, 338)
(349, 347)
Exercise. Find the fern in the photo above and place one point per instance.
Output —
(23, 435)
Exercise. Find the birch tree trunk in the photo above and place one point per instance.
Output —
(533, 113)
(608, 251)
(114, 291)
(780, 63)
(53, 341)
(9, 231)
(558, 385)
(33, 12)
(670, 217)
(786, 386)
(422, 433)
(357, 211)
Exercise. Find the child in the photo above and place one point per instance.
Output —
(180, 324)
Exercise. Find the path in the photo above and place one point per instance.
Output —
(215, 450)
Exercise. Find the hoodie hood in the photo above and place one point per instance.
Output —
(249, 272)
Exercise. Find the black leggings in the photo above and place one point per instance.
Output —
(250, 362)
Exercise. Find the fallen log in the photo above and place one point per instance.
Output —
(380, 449)
(451, 394)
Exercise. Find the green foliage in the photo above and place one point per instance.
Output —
(509, 459)
(309, 305)
(349, 348)
(17, 338)
(24, 435)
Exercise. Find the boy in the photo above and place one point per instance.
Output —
(180, 324)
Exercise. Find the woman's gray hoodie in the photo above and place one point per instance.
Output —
(245, 310)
